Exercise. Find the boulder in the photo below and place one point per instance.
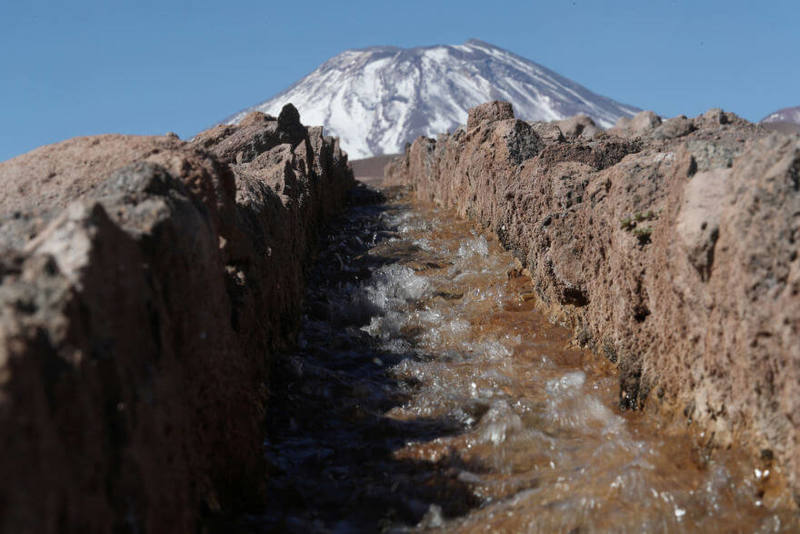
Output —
(674, 128)
(578, 126)
(489, 112)
(640, 124)
(256, 133)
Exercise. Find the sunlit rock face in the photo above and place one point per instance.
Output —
(378, 99)
(144, 284)
(669, 246)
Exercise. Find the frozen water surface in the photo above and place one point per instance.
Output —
(430, 395)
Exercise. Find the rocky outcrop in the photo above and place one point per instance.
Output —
(669, 246)
(489, 112)
(144, 283)
(641, 123)
(576, 126)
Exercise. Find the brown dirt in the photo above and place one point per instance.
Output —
(371, 168)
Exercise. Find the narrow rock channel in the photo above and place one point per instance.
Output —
(429, 394)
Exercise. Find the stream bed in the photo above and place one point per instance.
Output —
(428, 394)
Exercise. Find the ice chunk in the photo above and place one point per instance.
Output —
(394, 285)
(499, 422)
(473, 247)
(570, 381)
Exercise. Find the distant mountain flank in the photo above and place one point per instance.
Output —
(377, 99)
(786, 120)
(784, 115)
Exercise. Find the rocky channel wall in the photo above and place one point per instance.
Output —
(144, 282)
(670, 247)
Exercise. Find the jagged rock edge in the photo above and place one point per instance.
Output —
(138, 313)
(634, 238)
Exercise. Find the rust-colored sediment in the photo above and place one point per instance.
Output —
(669, 247)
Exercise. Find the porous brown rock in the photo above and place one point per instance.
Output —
(489, 112)
(674, 127)
(144, 283)
(670, 248)
(640, 124)
(578, 125)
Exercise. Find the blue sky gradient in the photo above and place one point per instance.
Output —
(149, 67)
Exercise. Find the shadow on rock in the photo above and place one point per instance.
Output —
(330, 448)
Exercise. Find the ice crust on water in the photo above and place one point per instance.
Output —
(423, 244)
(490, 349)
(396, 346)
(408, 222)
(566, 383)
(441, 332)
(473, 247)
(570, 407)
(499, 422)
(393, 285)
(541, 434)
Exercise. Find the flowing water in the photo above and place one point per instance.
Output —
(428, 394)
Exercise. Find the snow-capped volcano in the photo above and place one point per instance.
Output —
(377, 99)
(784, 115)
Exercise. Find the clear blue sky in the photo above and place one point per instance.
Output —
(148, 67)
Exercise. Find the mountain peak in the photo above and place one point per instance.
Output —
(379, 98)
(791, 115)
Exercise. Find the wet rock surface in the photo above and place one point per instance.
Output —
(144, 284)
(429, 394)
(668, 246)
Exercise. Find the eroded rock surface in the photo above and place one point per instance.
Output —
(669, 246)
(144, 283)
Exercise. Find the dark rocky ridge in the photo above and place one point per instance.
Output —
(144, 283)
(668, 246)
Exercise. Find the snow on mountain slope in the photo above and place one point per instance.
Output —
(784, 115)
(377, 99)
